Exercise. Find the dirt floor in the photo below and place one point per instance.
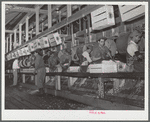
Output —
(20, 98)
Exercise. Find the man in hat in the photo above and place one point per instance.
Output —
(40, 70)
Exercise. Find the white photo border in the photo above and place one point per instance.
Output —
(74, 114)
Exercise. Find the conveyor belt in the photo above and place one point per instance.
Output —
(127, 75)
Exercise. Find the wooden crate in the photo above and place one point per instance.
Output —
(95, 68)
(35, 45)
(130, 12)
(102, 17)
(30, 47)
(54, 39)
(73, 69)
(27, 70)
(109, 66)
(40, 43)
(104, 67)
(45, 42)
(16, 53)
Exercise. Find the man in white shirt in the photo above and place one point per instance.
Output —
(15, 68)
(132, 49)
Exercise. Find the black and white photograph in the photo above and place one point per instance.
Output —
(74, 60)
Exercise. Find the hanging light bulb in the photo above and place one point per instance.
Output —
(57, 10)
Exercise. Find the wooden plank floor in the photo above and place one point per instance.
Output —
(19, 98)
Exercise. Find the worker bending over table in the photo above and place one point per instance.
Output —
(134, 57)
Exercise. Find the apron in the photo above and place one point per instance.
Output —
(41, 72)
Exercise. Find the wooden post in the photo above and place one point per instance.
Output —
(20, 34)
(72, 35)
(7, 46)
(47, 78)
(42, 27)
(49, 16)
(125, 28)
(68, 30)
(59, 16)
(31, 35)
(15, 39)
(104, 34)
(79, 21)
(23, 78)
(35, 79)
(69, 81)
(75, 41)
(27, 29)
(89, 29)
(79, 24)
(37, 20)
(69, 11)
(57, 81)
(32, 77)
(10, 43)
(101, 87)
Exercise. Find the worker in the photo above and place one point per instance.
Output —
(102, 51)
(15, 68)
(86, 58)
(134, 58)
(40, 70)
(53, 61)
(65, 59)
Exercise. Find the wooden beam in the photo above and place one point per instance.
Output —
(28, 10)
(10, 31)
(22, 9)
